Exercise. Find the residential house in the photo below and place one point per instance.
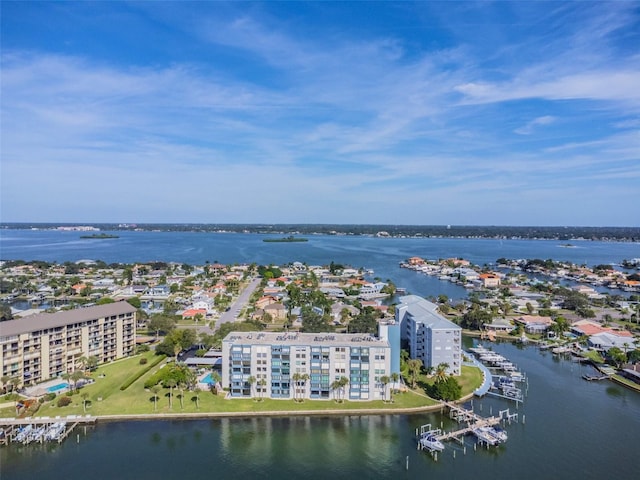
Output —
(534, 323)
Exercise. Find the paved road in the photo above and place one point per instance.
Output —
(234, 310)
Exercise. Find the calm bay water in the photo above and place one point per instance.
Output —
(574, 429)
(383, 255)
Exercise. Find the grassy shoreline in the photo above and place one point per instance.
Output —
(107, 402)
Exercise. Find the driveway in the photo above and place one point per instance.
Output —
(236, 307)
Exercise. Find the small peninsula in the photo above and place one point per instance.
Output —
(288, 239)
(100, 236)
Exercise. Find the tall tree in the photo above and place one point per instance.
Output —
(384, 380)
(170, 383)
(155, 389)
(251, 381)
(415, 366)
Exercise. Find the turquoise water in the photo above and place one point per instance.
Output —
(207, 379)
(57, 387)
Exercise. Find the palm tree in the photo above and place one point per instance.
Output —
(181, 387)
(506, 308)
(177, 348)
(216, 377)
(251, 380)
(155, 389)
(335, 388)
(84, 396)
(441, 372)
(415, 365)
(76, 377)
(262, 383)
(5, 381)
(304, 378)
(196, 390)
(92, 362)
(170, 383)
(66, 376)
(83, 362)
(344, 381)
(296, 383)
(384, 380)
(395, 377)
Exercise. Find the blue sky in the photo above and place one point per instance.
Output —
(479, 113)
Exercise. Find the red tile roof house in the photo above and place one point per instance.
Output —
(264, 301)
(192, 312)
(490, 280)
(588, 327)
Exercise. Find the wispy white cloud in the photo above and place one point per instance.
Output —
(529, 128)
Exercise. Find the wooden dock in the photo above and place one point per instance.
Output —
(473, 421)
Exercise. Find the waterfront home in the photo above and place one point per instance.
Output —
(632, 372)
(603, 341)
(499, 325)
(333, 292)
(371, 290)
(534, 323)
(490, 280)
(415, 261)
(589, 327)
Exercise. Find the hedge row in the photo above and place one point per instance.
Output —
(139, 374)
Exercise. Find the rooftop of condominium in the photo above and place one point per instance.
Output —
(423, 311)
(59, 319)
(305, 339)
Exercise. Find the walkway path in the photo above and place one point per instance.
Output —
(487, 378)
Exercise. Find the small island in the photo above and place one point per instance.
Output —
(288, 239)
(100, 236)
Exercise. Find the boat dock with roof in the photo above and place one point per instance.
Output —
(40, 429)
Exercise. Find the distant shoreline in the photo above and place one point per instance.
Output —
(562, 234)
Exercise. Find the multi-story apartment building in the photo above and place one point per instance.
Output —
(272, 360)
(43, 346)
(428, 335)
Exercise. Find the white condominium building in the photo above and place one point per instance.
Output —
(43, 346)
(428, 335)
(271, 360)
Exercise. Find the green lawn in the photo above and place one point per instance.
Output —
(594, 356)
(106, 398)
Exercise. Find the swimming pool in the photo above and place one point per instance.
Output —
(57, 387)
(208, 380)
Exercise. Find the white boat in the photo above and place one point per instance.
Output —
(23, 433)
(500, 433)
(431, 443)
(484, 435)
(55, 430)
